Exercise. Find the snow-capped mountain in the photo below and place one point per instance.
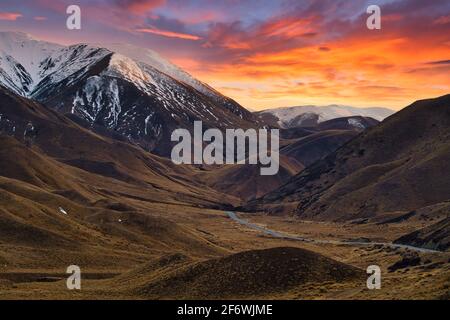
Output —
(304, 116)
(153, 59)
(129, 90)
(22, 61)
(27, 65)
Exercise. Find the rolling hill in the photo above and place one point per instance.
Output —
(255, 273)
(69, 192)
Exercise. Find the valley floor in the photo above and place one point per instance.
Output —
(406, 274)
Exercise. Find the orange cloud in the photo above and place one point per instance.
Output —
(10, 16)
(442, 20)
(289, 27)
(139, 6)
(169, 34)
(360, 70)
(278, 66)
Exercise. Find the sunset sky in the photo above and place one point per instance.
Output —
(267, 54)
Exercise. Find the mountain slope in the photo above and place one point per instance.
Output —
(56, 136)
(313, 147)
(29, 66)
(299, 148)
(400, 165)
(68, 192)
(358, 123)
(153, 59)
(245, 181)
(56, 209)
(22, 61)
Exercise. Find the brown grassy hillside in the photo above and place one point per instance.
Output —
(398, 166)
(251, 273)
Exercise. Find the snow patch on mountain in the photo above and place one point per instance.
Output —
(356, 123)
(98, 96)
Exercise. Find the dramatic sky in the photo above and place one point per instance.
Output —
(268, 53)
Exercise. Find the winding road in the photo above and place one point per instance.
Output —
(282, 235)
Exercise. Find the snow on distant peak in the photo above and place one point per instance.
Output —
(356, 123)
(286, 115)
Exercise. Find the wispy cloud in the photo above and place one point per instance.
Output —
(167, 33)
(10, 16)
(439, 62)
(139, 6)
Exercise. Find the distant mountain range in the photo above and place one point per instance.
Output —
(309, 116)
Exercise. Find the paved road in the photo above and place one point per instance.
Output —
(278, 234)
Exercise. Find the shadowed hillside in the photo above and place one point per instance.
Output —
(436, 236)
(400, 165)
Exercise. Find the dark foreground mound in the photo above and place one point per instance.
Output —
(256, 273)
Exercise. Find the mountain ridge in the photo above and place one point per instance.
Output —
(107, 88)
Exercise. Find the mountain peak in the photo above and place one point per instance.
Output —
(155, 60)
